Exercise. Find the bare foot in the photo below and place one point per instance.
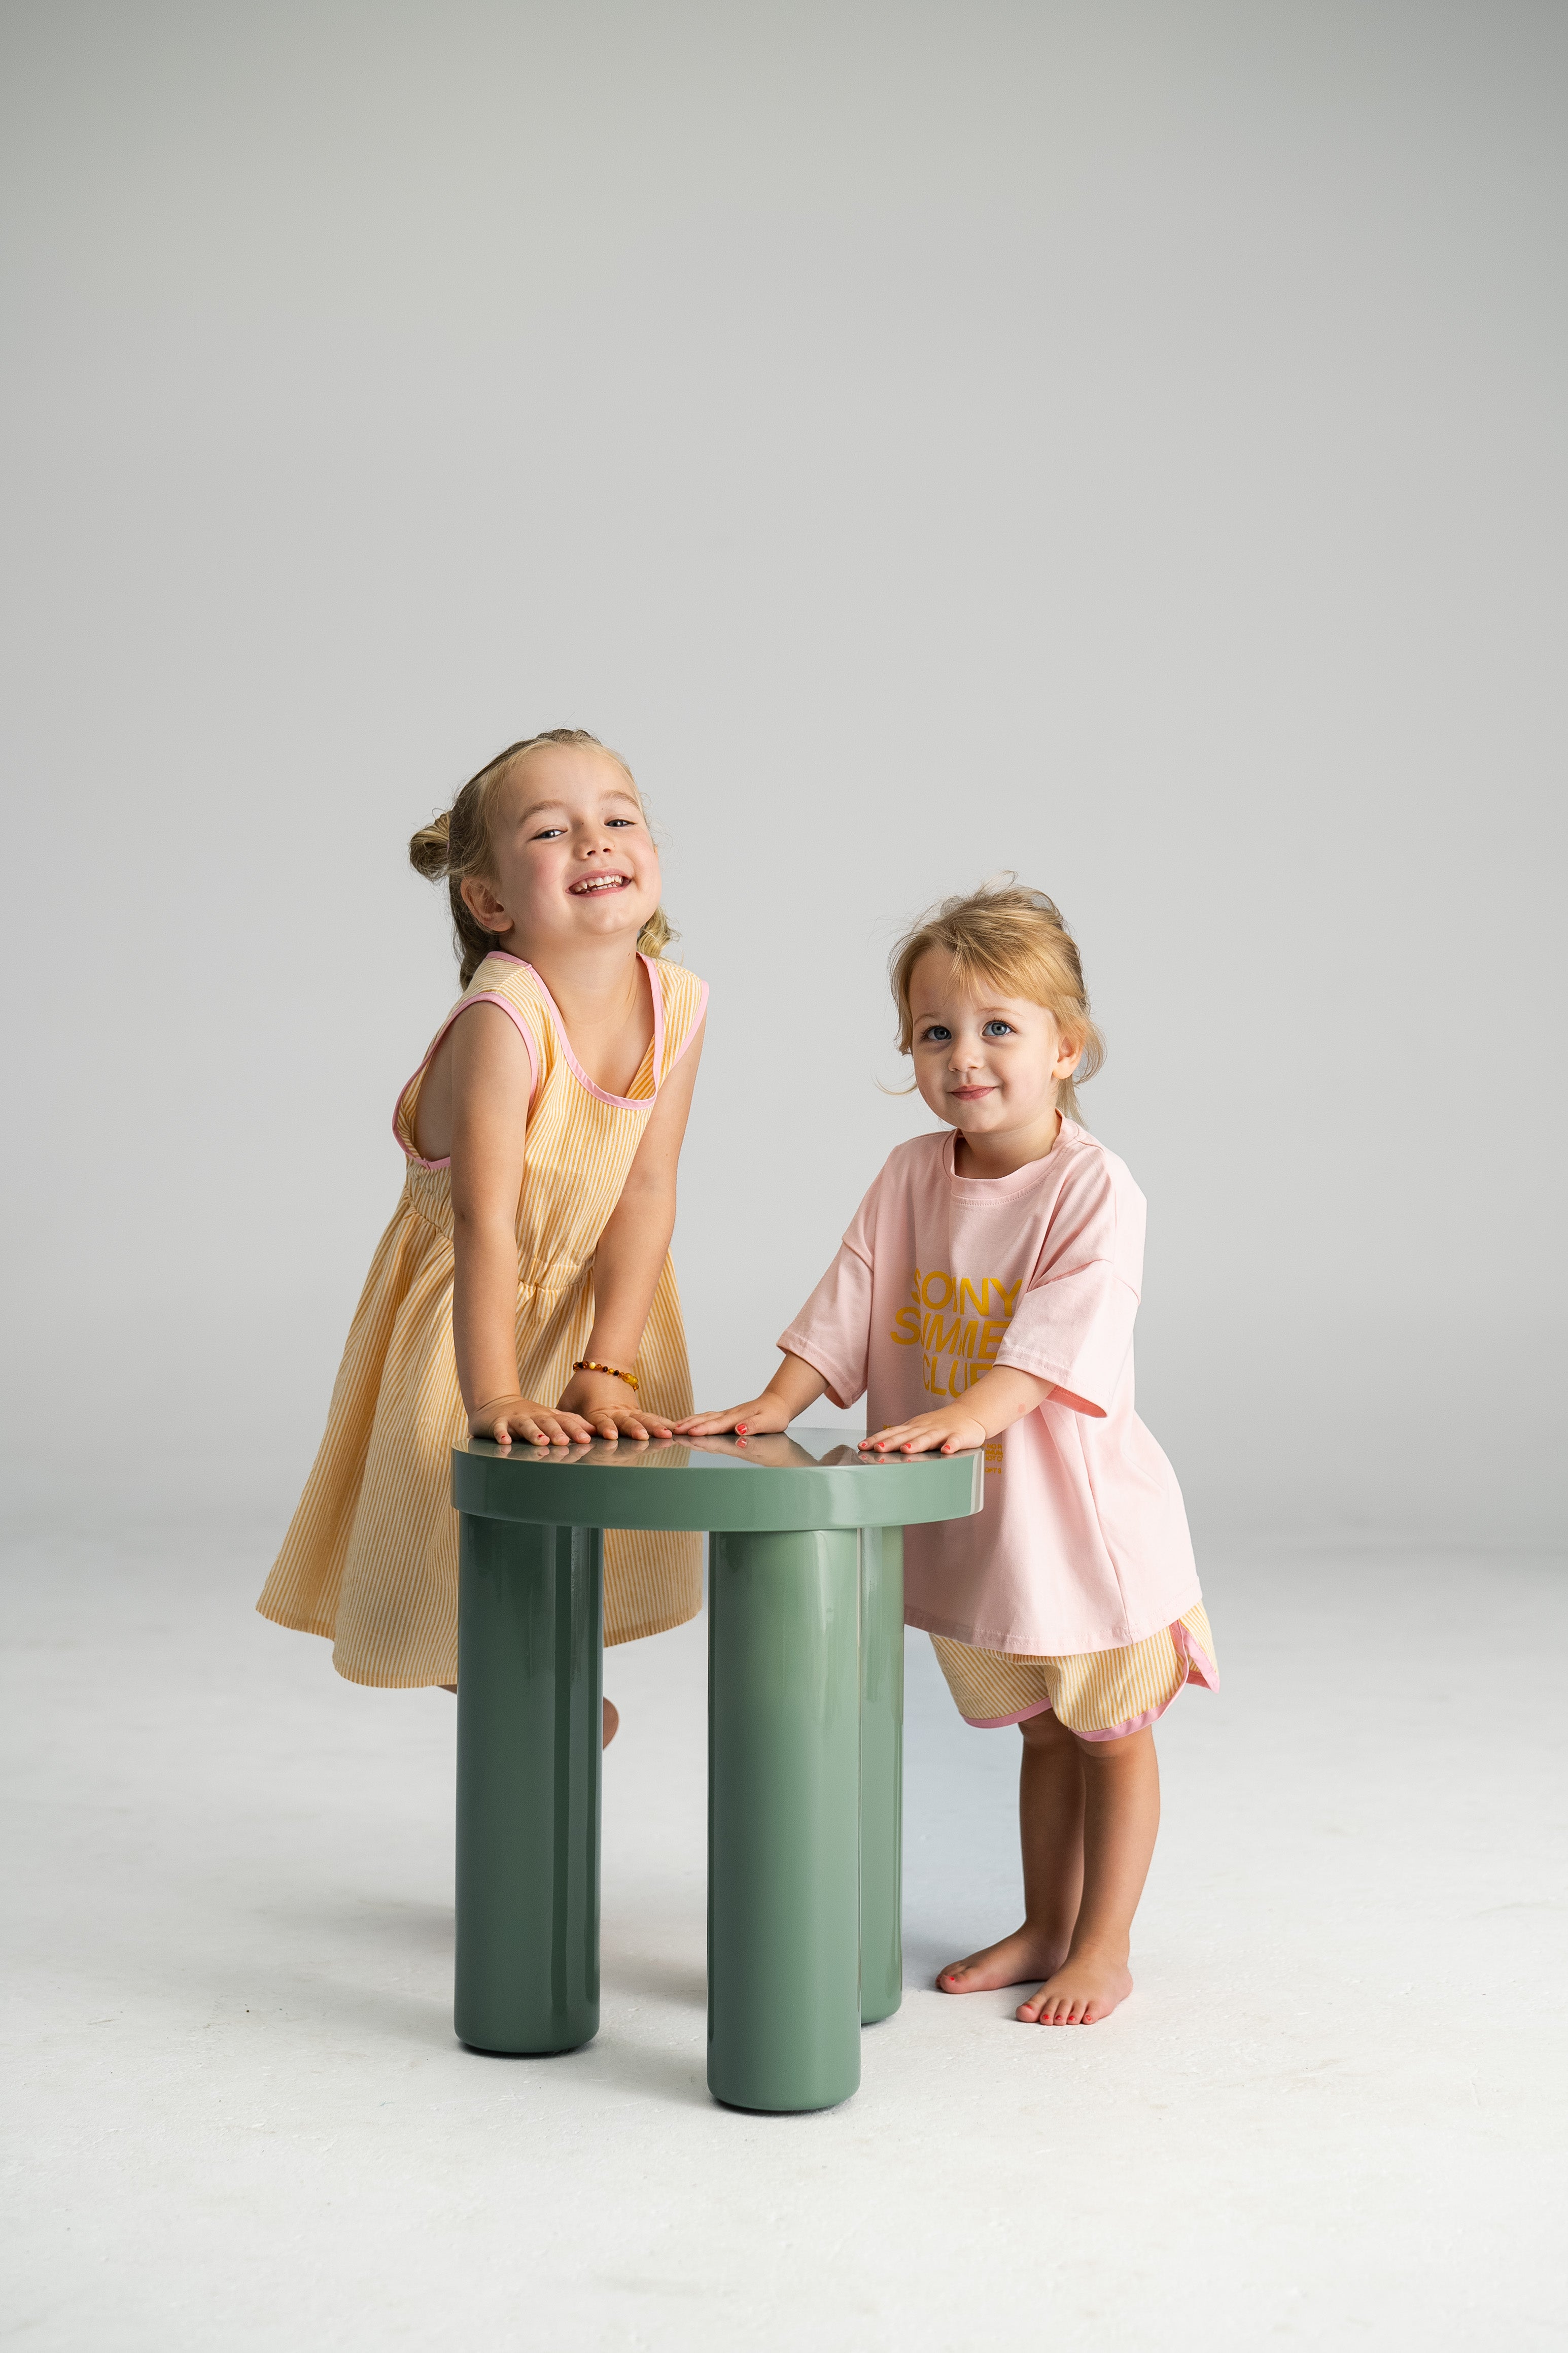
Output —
(1012, 1961)
(1081, 1993)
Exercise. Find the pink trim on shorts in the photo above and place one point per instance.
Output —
(1134, 1723)
(484, 997)
(1201, 1669)
(1000, 1722)
(1112, 1732)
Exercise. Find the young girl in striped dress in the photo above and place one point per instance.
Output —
(984, 1296)
(524, 1289)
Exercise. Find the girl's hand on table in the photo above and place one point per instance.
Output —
(749, 1421)
(948, 1431)
(506, 1418)
(612, 1407)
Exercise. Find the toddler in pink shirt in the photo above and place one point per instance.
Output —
(984, 1296)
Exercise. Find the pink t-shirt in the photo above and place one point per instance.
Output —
(1083, 1542)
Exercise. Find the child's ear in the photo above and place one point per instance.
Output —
(479, 896)
(1069, 1048)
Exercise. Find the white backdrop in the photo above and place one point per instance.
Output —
(1118, 442)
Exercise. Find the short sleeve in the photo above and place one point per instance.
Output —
(1073, 1324)
(833, 1330)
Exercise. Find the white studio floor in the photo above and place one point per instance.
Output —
(1331, 2114)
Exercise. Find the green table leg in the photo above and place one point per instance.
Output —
(529, 1685)
(784, 1820)
(882, 1772)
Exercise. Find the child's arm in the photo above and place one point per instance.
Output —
(491, 1080)
(628, 1262)
(1001, 1396)
(794, 1386)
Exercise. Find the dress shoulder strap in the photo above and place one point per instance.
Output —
(501, 980)
(685, 1003)
(507, 981)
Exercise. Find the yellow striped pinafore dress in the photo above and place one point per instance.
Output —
(371, 1556)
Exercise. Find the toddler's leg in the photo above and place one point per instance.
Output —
(1121, 1817)
(1051, 1822)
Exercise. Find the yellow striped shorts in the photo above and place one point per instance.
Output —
(1099, 1694)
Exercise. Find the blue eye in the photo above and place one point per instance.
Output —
(998, 1030)
(936, 1034)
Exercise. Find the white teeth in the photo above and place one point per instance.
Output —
(600, 882)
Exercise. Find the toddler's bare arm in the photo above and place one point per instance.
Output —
(794, 1386)
(1001, 1396)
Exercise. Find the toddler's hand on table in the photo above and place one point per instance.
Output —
(948, 1431)
(506, 1418)
(749, 1421)
(613, 1408)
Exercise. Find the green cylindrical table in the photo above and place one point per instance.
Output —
(805, 1727)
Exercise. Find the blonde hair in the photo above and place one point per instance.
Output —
(457, 843)
(1014, 937)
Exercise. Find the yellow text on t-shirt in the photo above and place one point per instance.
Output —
(957, 1323)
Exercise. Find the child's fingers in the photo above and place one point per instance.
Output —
(520, 1425)
(628, 1422)
(753, 1419)
(905, 1438)
(546, 1428)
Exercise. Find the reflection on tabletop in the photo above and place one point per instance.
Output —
(768, 1452)
(813, 1450)
(772, 1449)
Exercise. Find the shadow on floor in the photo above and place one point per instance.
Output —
(395, 1921)
(644, 1975)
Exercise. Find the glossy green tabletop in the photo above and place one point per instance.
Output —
(802, 1479)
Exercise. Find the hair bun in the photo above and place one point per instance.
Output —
(429, 849)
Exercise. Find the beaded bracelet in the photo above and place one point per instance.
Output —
(587, 1365)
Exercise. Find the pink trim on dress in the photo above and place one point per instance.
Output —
(617, 1102)
(696, 1024)
(484, 996)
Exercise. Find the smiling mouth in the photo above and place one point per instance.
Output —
(970, 1094)
(592, 885)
